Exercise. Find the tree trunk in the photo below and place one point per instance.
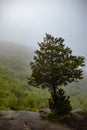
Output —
(54, 94)
(54, 90)
(53, 101)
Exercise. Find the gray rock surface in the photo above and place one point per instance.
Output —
(26, 120)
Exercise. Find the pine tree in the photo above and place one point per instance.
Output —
(54, 65)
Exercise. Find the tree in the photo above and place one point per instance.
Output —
(54, 66)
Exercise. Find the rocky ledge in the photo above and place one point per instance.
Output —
(26, 120)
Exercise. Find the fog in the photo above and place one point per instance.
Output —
(27, 21)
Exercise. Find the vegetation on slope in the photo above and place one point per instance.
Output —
(16, 94)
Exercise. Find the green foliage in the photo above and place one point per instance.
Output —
(59, 118)
(79, 100)
(15, 94)
(37, 99)
(60, 103)
(54, 66)
(78, 93)
(11, 102)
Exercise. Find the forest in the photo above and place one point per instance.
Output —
(16, 94)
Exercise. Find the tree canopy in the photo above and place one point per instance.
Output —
(54, 65)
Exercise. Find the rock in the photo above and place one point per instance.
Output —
(3, 123)
(44, 112)
(18, 124)
(79, 113)
(26, 120)
(78, 121)
(28, 115)
(9, 114)
(45, 125)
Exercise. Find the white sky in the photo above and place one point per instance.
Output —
(27, 21)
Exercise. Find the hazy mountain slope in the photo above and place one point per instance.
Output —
(81, 86)
(15, 59)
(15, 93)
(16, 50)
(78, 92)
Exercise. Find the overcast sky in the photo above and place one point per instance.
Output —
(27, 21)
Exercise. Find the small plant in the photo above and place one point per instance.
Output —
(53, 117)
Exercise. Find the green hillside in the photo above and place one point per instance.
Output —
(15, 57)
(78, 93)
(16, 94)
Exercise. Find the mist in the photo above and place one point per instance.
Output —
(26, 22)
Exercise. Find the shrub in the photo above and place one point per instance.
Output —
(60, 104)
